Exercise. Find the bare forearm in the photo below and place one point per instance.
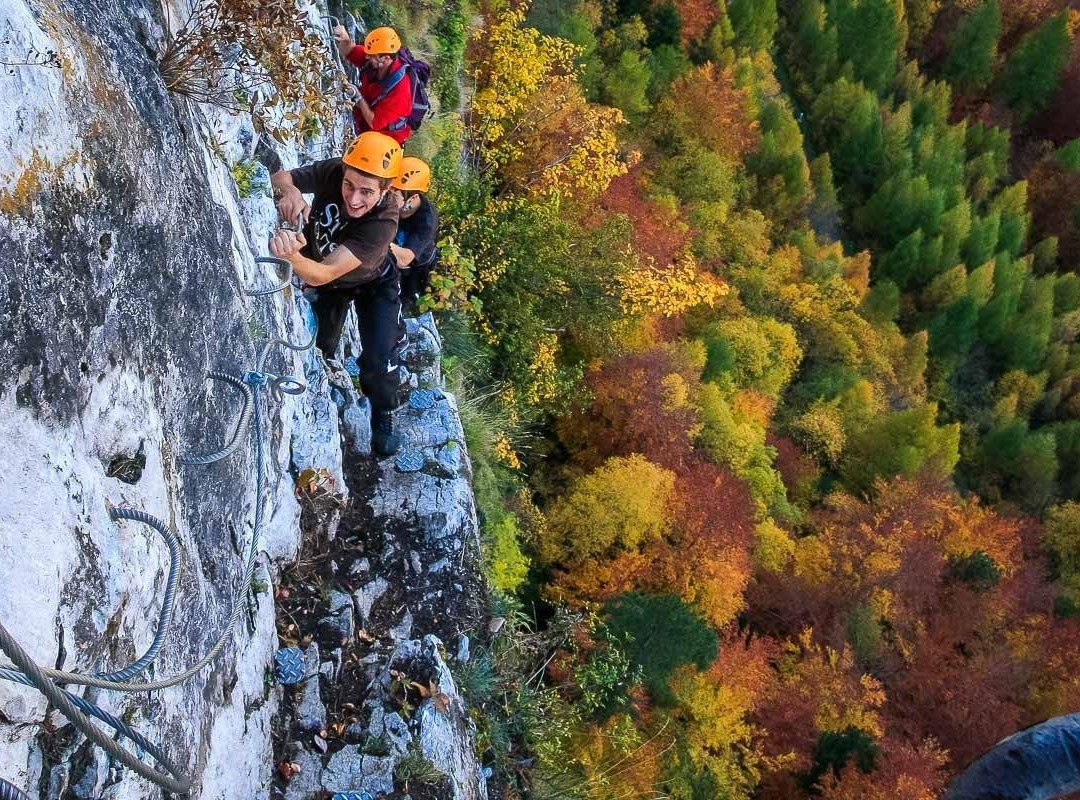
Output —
(282, 181)
(312, 272)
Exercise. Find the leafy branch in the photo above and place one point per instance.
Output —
(259, 56)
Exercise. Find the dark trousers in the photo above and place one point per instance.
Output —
(378, 313)
(414, 282)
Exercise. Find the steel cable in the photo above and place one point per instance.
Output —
(167, 600)
(258, 379)
(174, 782)
(278, 262)
(78, 710)
(92, 710)
(241, 425)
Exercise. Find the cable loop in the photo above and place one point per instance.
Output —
(277, 262)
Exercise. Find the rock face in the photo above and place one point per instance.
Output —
(125, 255)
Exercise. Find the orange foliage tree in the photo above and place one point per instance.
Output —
(641, 403)
(819, 690)
(902, 772)
(705, 105)
(529, 122)
(659, 231)
(703, 557)
(715, 711)
(697, 16)
(944, 600)
(1054, 193)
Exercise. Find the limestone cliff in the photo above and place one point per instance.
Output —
(126, 255)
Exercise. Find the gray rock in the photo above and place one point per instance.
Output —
(321, 450)
(403, 630)
(138, 251)
(449, 458)
(437, 502)
(387, 727)
(422, 354)
(326, 669)
(350, 770)
(309, 779)
(463, 649)
(337, 658)
(360, 567)
(58, 779)
(354, 410)
(397, 732)
(114, 360)
(333, 522)
(340, 624)
(366, 596)
(444, 736)
(86, 787)
(310, 711)
(344, 770)
(357, 420)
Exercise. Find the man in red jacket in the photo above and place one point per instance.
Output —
(385, 90)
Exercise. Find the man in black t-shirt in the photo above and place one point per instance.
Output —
(344, 252)
(414, 247)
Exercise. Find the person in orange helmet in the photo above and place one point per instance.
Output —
(343, 251)
(414, 246)
(386, 98)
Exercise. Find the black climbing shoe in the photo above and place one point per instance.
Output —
(384, 442)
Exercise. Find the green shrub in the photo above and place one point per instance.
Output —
(245, 174)
(507, 566)
(661, 634)
(415, 767)
(451, 33)
(864, 633)
(976, 569)
(834, 749)
(605, 679)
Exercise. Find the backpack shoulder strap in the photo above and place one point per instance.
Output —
(392, 80)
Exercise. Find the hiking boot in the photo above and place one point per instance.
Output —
(384, 442)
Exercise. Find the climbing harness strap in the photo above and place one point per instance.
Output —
(392, 80)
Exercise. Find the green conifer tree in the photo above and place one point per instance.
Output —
(872, 38)
(973, 48)
(754, 23)
(1031, 76)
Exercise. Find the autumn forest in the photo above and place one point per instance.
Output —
(767, 317)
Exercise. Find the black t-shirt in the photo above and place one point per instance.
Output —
(419, 232)
(367, 237)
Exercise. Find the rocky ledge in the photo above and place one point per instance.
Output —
(375, 710)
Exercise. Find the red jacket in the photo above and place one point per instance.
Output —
(392, 112)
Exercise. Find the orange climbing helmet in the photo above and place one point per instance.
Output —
(382, 42)
(374, 153)
(415, 175)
